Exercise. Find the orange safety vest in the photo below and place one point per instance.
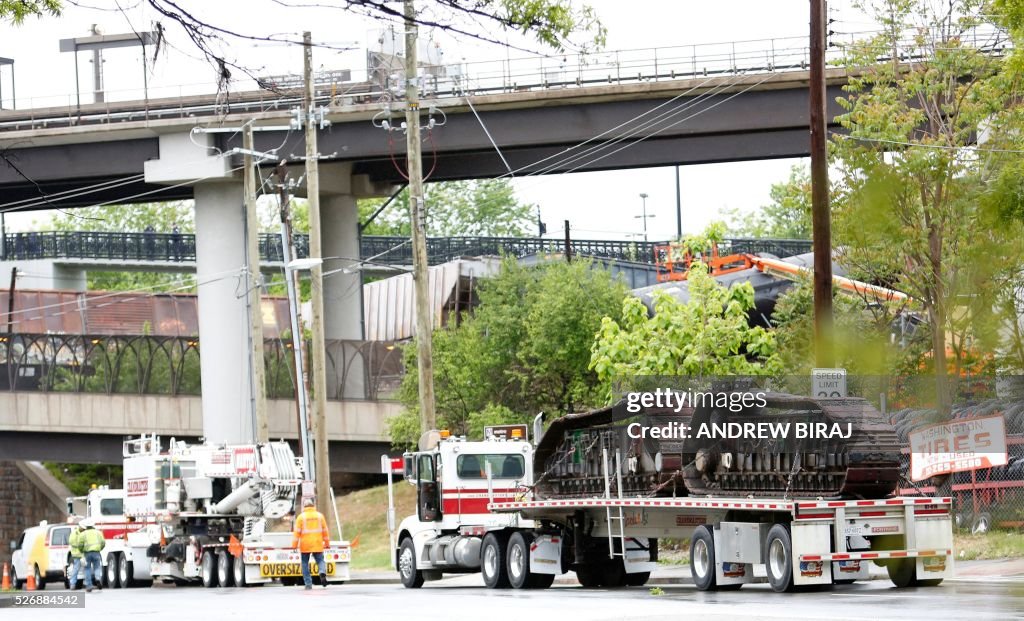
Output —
(311, 534)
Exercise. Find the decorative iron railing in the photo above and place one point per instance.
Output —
(165, 365)
(181, 247)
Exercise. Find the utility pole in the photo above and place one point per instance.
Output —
(679, 207)
(821, 222)
(301, 377)
(424, 325)
(10, 301)
(568, 244)
(252, 234)
(323, 469)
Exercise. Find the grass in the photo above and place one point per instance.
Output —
(996, 544)
(364, 519)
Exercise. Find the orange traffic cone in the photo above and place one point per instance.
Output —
(6, 584)
(30, 582)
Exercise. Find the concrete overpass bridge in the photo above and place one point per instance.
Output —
(89, 428)
(654, 110)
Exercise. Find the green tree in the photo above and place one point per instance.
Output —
(705, 337)
(130, 219)
(525, 349)
(788, 216)
(482, 207)
(862, 334)
(16, 11)
(909, 213)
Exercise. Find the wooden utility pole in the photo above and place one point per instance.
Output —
(568, 244)
(323, 468)
(421, 277)
(821, 220)
(252, 236)
(10, 301)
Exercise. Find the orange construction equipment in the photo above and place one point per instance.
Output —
(6, 584)
(674, 261)
(30, 581)
(782, 269)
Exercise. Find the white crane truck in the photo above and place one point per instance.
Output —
(476, 512)
(204, 513)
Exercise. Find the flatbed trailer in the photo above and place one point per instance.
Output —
(476, 512)
(801, 542)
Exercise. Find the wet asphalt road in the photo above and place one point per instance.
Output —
(974, 599)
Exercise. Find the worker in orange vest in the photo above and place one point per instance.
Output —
(311, 537)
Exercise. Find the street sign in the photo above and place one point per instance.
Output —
(957, 446)
(828, 383)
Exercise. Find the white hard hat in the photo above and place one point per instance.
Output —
(86, 523)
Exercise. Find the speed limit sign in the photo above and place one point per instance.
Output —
(828, 383)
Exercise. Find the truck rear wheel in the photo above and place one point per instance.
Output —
(613, 573)
(208, 569)
(902, 572)
(588, 577)
(702, 558)
(779, 558)
(126, 572)
(492, 561)
(518, 566)
(412, 578)
(238, 567)
(225, 569)
(638, 579)
(111, 571)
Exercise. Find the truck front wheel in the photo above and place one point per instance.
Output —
(492, 561)
(412, 578)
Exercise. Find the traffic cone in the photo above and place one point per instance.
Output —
(6, 584)
(30, 581)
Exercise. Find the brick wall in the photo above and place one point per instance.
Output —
(22, 504)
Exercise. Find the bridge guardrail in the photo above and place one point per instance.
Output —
(181, 247)
(536, 72)
(166, 365)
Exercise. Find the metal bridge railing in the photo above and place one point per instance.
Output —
(181, 247)
(446, 80)
(167, 365)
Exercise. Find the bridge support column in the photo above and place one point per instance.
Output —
(220, 257)
(343, 297)
(223, 329)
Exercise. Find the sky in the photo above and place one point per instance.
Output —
(599, 205)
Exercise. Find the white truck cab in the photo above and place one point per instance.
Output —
(455, 480)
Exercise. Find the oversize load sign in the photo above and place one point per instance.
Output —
(957, 446)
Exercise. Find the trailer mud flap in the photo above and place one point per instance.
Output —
(546, 555)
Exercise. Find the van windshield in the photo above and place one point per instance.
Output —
(502, 466)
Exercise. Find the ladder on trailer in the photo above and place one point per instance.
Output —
(614, 514)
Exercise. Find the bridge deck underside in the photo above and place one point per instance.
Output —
(759, 124)
(86, 448)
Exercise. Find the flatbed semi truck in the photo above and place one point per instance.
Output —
(476, 513)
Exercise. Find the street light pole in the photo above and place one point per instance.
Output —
(644, 216)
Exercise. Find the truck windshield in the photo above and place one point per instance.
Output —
(502, 466)
(112, 506)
